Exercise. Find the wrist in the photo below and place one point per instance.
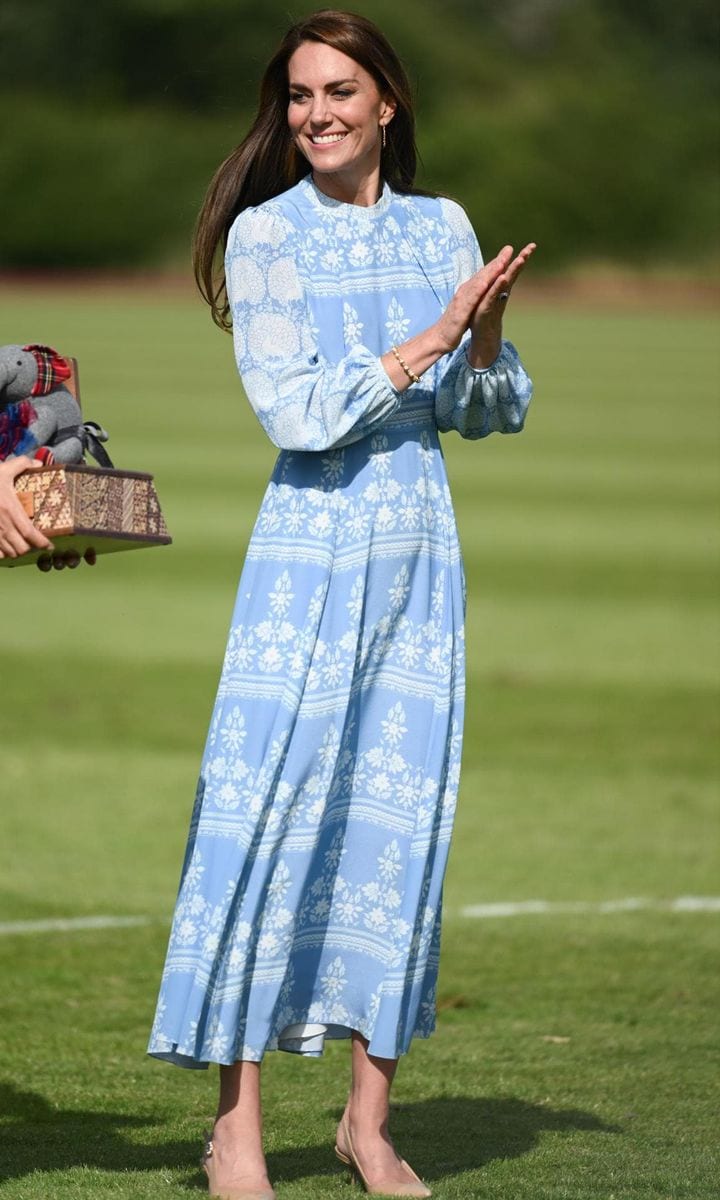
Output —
(482, 351)
(438, 341)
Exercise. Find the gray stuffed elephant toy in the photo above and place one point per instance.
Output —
(39, 416)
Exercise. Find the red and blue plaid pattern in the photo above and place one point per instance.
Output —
(15, 437)
(52, 369)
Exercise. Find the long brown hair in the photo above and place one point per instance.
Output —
(267, 162)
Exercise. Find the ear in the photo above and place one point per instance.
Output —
(388, 109)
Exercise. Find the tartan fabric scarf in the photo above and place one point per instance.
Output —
(52, 369)
(15, 437)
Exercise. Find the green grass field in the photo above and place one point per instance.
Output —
(576, 1053)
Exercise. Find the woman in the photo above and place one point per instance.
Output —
(363, 322)
(18, 535)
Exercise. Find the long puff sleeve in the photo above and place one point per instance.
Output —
(493, 400)
(303, 401)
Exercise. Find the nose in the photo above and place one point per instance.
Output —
(319, 114)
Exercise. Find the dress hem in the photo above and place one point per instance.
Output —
(333, 1032)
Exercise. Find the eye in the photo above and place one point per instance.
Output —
(343, 93)
(296, 97)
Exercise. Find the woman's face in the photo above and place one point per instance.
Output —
(335, 111)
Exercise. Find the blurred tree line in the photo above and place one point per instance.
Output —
(588, 125)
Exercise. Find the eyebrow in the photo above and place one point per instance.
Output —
(302, 87)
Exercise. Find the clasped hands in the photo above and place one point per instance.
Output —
(479, 305)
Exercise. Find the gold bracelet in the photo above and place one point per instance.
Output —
(410, 374)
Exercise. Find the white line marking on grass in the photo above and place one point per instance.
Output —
(520, 908)
(70, 924)
(696, 904)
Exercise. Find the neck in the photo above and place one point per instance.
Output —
(363, 190)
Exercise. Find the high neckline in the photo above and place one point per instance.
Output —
(342, 207)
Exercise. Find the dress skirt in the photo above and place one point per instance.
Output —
(311, 891)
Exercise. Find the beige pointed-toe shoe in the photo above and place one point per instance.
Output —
(413, 1187)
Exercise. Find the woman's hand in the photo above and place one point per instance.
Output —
(477, 305)
(459, 312)
(17, 532)
(486, 320)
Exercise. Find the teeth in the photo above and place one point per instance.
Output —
(325, 138)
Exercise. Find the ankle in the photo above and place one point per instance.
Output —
(234, 1127)
(363, 1124)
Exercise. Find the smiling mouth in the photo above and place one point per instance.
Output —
(326, 139)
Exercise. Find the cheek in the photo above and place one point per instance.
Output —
(366, 118)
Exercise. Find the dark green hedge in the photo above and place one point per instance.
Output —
(591, 125)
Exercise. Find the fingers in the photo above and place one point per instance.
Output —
(37, 539)
(12, 544)
(27, 532)
(482, 294)
(18, 535)
(501, 259)
(502, 264)
(504, 282)
(518, 263)
(499, 291)
(21, 537)
(12, 467)
(495, 267)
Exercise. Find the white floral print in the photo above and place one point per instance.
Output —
(397, 323)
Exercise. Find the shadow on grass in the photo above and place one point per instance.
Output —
(448, 1135)
(442, 1137)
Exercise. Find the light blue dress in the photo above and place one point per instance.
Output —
(311, 891)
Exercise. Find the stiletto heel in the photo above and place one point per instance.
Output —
(208, 1165)
(415, 1187)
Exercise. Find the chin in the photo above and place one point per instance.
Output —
(327, 162)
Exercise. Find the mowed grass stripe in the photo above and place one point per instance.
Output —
(68, 925)
(493, 911)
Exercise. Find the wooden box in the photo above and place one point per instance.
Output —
(86, 511)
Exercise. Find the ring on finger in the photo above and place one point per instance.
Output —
(503, 297)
